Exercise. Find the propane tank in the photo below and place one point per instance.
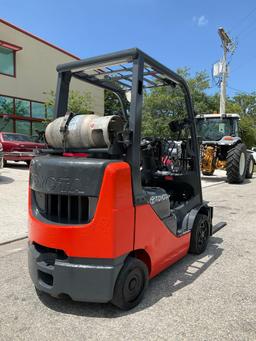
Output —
(84, 131)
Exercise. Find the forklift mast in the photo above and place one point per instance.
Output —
(129, 70)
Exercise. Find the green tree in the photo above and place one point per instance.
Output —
(163, 104)
(247, 126)
(111, 103)
(198, 84)
(79, 103)
(247, 103)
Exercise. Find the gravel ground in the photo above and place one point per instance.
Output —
(206, 297)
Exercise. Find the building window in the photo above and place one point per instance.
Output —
(6, 105)
(23, 127)
(37, 126)
(7, 61)
(38, 110)
(50, 112)
(22, 115)
(6, 124)
(22, 107)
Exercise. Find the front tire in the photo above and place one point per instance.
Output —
(131, 284)
(199, 234)
(236, 164)
(250, 166)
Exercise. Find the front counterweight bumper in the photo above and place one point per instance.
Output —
(83, 279)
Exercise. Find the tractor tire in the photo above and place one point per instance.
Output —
(250, 166)
(131, 284)
(200, 234)
(236, 164)
(208, 173)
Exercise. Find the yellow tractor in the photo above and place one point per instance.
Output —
(222, 148)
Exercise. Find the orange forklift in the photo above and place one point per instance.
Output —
(106, 211)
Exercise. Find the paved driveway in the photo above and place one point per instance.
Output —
(206, 297)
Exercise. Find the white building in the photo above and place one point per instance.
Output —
(27, 75)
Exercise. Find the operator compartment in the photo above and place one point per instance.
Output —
(169, 166)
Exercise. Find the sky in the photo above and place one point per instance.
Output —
(177, 33)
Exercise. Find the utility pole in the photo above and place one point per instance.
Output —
(228, 46)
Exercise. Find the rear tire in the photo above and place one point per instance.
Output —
(236, 164)
(250, 166)
(131, 284)
(199, 234)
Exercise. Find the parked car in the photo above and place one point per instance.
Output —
(1, 157)
(18, 147)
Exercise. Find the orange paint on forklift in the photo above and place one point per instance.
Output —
(152, 236)
(110, 234)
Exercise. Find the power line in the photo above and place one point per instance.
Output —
(248, 32)
(249, 57)
(243, 31)
(244, 18)
(222, 80)
(239, 90)
(247, 29)
(243, 64)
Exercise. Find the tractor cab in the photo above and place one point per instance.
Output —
(214, 127)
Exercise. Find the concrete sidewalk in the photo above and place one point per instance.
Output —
(13, 202)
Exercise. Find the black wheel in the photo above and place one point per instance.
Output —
(199, 234)
(5, 163)
(236, 164)
(250, 166)
(131, 284)
(208, 173)
(28, 162)
(38, 292)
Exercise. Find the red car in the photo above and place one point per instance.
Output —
(1, 157)
(18, 147)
